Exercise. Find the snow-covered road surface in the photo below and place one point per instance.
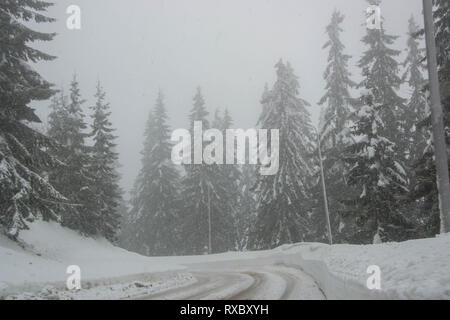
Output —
(38, 271)
(276, 282)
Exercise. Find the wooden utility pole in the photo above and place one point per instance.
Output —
(440, 145)
(324, 190)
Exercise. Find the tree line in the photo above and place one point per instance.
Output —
(378, 160)
(377, 147)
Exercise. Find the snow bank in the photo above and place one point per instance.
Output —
(418, 269)
(47, 249)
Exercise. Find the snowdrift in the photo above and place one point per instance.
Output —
(47, 249)
(418, 269)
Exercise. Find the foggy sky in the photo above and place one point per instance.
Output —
(228, 47)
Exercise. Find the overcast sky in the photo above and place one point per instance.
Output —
(228, 47)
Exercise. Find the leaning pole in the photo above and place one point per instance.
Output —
(324, 190)
(440, 146)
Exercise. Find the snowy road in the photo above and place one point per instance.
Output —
(275, 282)
(38, 270)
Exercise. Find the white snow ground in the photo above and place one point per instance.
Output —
(417, 269)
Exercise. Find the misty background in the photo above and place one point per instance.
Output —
(229, 48)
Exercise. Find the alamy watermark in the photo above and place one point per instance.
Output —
(73, 22)
(74, 280)
(261, 149)
(373, 21)
(374, 280)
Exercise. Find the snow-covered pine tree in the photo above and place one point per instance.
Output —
(414, 123)
(416, 109)
(227, 120)
(57, 116)
(264, 101)
(442, 21)
(425, 188)
(218, 120)
(25, 154)
(335, 134)
(205, 194)
(103, 167)
(284, 201)
(230, 172)
(74, 179)
(380, 71)
(380, 82)
(379, 176)
(153, 219)
(335, 121)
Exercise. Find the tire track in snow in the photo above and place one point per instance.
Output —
(245, 294)
(242, 282)
(299, 283)
(179, 292)
(207, 284)
(267, 286)
(274, 282)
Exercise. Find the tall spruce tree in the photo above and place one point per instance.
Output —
(154, 221)
(205, 199)
(382, 108)
(74, 179)
(217, 120)
(379, 176)
(230, 172)
(57, 116)
(415, 118)
(380, 71)
(335, 119)
(284, 198)
(442, 21)
(334, 129)
(103, 167)
(25, 155)
(416, 109)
